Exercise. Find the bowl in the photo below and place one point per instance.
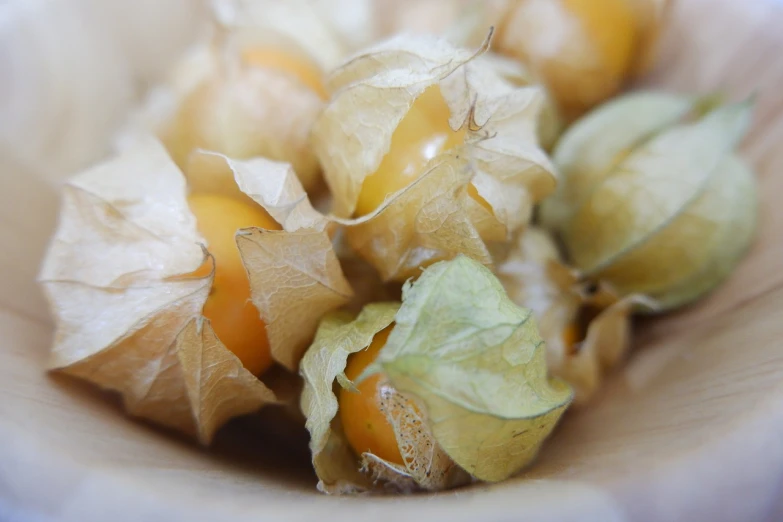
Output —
(690, 429)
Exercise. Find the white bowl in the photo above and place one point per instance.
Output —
(690, 429)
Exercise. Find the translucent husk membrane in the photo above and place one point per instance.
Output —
(479, 191)
(653, 198)
(469, 373)
(119, 275)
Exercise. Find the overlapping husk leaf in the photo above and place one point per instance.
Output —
(654, 201)
(295, 276)
(466, 23)
(339, 335)
(535, 278)
(339, 469)
(118, 275)
(434, 217)
(472, 397)
(326, 29)
(366, 282)
(295, 26)
(221, 98)
(550, 124)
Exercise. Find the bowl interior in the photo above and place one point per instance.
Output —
(697, 411)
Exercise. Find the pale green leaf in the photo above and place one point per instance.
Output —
(594, 145)
(717, 228)
(654, 184)
(477, 363)
(338, 336)
(654, 201)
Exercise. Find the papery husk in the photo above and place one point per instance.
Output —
(608, 340)
(128, 318)
(339, 335)
(466, 23)
(594, 143)
(421, 224)
(340, 471)
(698, 257)
(294, 25)
(477, 366)
(654, 201)
(372, 93)
(368, 287)
(272, 184)
(427, 467)
(560, 47)
(510, 169)
(466, 20)
(295, 276)
(215, 99)
(535, 278)
(550, 123)
(500, 156)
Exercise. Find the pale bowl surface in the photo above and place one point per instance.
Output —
(690, 429)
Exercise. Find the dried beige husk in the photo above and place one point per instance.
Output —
(368, 287)
(127, 319)
(500, 156)
(467, 20)
(510, 170)
(129, 315)
(550, 124)
(295, 276)
(535, 278)
(466, 23)
(653, 199)
(296, 26)
(425, 222)
(222, 98)
(426, 466)
(584, 52)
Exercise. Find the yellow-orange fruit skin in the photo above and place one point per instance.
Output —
(233, 317)
(364, 422)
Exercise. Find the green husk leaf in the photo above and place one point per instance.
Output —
(594, 145)
(717, 228)
(654, 184)
(338, 336)
(340, 471)
(654, 201)
(477, 364)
